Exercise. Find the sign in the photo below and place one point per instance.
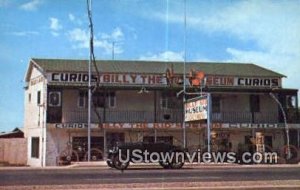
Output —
(108, 78)
(196, 109)
(242, 81)
(73, 125)
(74, 78)
(165, 125)
(36, 80)
(141, 125)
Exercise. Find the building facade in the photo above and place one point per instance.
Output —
(139, 101)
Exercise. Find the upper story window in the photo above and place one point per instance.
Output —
(216, 104)
(82, 99)
(101, 99)
(169, 100)
(112, 99)
(254, 103)
(39, 97)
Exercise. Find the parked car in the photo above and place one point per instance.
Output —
(121, 155)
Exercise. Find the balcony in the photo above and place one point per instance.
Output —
(123, 116)
(245, 117)
(164, 116)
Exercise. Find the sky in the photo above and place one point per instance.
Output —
(266, 33)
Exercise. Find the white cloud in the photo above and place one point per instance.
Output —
(55, 26)
(25, 33)
(272, 26)
(116, 35)
(284, 64)
(71, 17)
(164, 56)
(80, 39)
(31, 5)
(74, 19)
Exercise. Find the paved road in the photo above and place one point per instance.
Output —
(94, 175)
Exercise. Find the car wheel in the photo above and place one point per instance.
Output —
(119, 163)
(176, 165)
(165, 165)
(110, 163)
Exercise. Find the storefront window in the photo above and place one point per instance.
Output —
(165, 139)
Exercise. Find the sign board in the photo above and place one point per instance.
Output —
(108, 78)
(77, 78)
(196, 109)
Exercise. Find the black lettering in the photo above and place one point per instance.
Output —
(255, 82)
(85, 78)
(54, 77)
(73, 77)
(79, 77)
(94, 78)
(64, 77)
(275, 82)
(267, 82)
(248, 82)
(241, 81)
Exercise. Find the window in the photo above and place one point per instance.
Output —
(291, 102)
(216, 104)
(82, 99)
(29, 97)
(254, 103)
(35, 147)
(39, 97)
(112, 99)
(169, 100)
(101, 99)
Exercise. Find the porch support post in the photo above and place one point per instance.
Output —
(298, 136)
(104, 145)
(155, 109)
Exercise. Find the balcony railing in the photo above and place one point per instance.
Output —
(245, 117)
(161, 116)
(123, 116)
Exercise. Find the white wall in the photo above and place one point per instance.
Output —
(35, 115)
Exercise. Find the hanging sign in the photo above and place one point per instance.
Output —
(196, 109)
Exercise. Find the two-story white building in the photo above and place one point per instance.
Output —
(136, 102)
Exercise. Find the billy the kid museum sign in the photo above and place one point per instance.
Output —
(70, 78)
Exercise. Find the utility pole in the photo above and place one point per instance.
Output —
(184, 79)
(90, 76)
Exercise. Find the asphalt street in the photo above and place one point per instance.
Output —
(144, 175)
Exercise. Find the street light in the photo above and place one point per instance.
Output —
(285, 124)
